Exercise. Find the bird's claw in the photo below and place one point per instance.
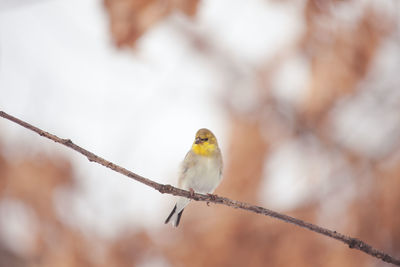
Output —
(213, 197)
(191, 192)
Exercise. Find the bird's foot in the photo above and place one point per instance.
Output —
(213, 197)
(191, 192)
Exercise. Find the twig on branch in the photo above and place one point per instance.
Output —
(169, 189)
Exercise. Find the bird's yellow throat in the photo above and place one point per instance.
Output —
(205, 149)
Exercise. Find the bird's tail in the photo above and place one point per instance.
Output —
(176, 213)
(175, 216)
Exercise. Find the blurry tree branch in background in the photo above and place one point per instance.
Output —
(130, 19)
(350, 241)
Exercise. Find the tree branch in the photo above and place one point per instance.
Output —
(169, 189)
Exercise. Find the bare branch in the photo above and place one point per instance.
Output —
(169, 189)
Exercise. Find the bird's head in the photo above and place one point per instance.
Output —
(205, 143)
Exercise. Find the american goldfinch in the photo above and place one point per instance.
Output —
(201, 171)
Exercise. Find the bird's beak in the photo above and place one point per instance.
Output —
(197, 141)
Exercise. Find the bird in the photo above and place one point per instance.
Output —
(200, 172)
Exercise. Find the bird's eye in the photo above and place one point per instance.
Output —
(205, 139)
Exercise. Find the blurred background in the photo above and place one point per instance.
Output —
(303, 95)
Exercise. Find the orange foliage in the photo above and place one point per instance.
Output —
(129, 19)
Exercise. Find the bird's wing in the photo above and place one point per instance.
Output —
(188, 162)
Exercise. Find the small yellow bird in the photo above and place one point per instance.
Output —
(201, 171)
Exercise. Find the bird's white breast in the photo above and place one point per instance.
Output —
(204, 176)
